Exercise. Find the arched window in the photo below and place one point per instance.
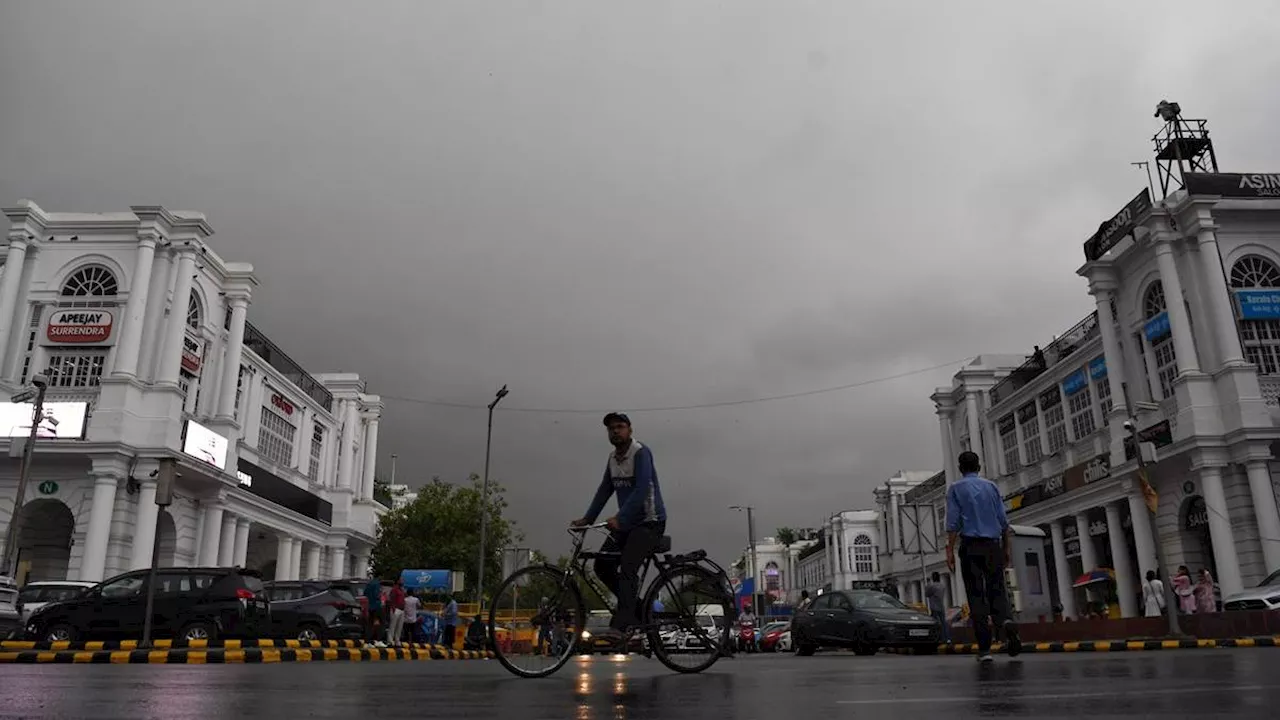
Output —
(1260, 338)
(864, 555)
(194, 312)
(772, 580)
(1153, 304)
(91, 281)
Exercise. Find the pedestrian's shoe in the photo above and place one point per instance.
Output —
(1012, 640)
(985, 657)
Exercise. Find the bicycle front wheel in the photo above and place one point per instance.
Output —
(536, 621)
(688, 613)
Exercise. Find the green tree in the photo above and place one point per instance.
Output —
(441, 529)
(787, 537)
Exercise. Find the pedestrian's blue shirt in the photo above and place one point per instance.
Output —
(373, 593)
(451, 613)
(635, 480)
(975, 509)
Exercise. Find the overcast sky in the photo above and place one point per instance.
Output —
(649, 204)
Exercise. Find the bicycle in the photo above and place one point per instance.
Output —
(683, 626)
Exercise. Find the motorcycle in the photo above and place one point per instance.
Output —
(747, 637)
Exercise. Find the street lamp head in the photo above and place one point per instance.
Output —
(1128, 425)
(23, 396)
(40, 380)
(503, 392)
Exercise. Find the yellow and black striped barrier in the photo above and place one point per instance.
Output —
(230, 644)
(227, 652)
(1107, 646)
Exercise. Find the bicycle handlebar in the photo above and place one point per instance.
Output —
(584, 528)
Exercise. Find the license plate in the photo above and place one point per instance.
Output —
(921, 632)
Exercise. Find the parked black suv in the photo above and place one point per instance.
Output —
(314, 610)
(190, 604)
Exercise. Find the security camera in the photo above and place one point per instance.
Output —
(40, 380)
(1128, 425)
(52, 420)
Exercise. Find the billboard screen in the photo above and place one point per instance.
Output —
(202, 443)
(62, 420)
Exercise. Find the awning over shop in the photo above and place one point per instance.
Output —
(1095, 576)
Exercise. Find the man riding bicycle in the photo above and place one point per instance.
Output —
(637, 528)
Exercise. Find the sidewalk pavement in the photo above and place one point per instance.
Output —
(1109, 645)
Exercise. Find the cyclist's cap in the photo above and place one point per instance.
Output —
(614, 417)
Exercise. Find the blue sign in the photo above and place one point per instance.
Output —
(1259, 304)
(747, 588)
(427, 579)
(1098, 368)
(1157, 327)
(1074, 383)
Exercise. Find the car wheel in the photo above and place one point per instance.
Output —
(198, 631)
(862, 644)
(803, 647)
(60, 633)
(310, 632)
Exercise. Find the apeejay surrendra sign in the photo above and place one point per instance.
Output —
(1246, 185)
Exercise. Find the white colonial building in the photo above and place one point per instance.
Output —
(142, 331)
(1186, 341)
(775, 566)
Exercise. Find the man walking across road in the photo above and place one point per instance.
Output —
(976, 521)
(936, 596)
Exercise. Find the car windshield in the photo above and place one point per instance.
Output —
(598, 621)
(1272, 579)
(871, 600)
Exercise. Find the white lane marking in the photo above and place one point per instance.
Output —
(1056, 696)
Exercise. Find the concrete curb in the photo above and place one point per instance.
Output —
(229, 644)
(1108, 646)
(227, 655)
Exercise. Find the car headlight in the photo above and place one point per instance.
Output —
(1273, 600)
(586, 634)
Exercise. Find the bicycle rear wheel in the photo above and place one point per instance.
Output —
(542, 612)
(691, 631)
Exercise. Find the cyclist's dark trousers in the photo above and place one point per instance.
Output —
(982, 567)
(619, 574)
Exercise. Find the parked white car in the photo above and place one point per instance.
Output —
(784, 642)
(10, 618)
(1266, 596)
(35, 595)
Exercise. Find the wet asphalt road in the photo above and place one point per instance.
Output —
(1203, 683)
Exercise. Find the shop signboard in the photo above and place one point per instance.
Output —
(1098, 368)
(1160, 435)
(1096, 468)
(192, 354)
(427, 579)
(273, 488)
(200, 442)
(1259, 304)
(1157, 327)
(1118, 226)
(1244, 185)
(61, 421)
(1074, 383)
(79, 326)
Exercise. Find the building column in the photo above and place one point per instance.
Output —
(1126, 585)
(948, 445)
(144, 526)
(129, 347)
(361, 568)
(153, 314)
(370, 457)
(295, 560)
(226, 405)
(1176, 306)
(313, 562)
(1153, 374)
(1264, 508)
(1088, 553)
(1224, 320)
(242, 542)
(975, 422)
(895, 536)
(1143, 540)
(338, 562)
(9, 285)
(1111, 351)
(227, 541)
(302, 448)
(169, 364)
(1061, 570)
(94, 563)
(210, 546)
(284, 553)
(346, 448)
(1224, 542)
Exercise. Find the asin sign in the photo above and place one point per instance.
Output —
(79, 326)
(1246, 185)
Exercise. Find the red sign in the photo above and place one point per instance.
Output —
(192, 354)
(80, 326)
(278, 400)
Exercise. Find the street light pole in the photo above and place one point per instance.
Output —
(393, 468)
(1149, 499)
(484, 499)
(751, 543)
(41, 383)
(166, 475)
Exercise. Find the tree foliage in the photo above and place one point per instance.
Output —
(786, 536)
(441, 530)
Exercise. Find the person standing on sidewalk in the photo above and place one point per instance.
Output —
(449, 618)
(395, 614)
(373, 609)
(936, 597)
(976, 521)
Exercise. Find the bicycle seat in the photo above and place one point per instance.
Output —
(664, 544)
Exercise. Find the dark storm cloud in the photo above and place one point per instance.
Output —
(631, 206)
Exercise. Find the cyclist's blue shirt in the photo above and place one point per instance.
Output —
(635, 480)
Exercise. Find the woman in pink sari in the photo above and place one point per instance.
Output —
(1205, 600)
(1182, 588)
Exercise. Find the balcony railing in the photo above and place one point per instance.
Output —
(1057, 351)
(276, 358)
